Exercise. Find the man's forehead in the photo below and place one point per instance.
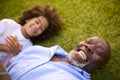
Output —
(88, 39)
(94, 40)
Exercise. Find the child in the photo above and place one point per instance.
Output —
(36, 24)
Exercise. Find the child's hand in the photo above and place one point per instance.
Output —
(13, 45)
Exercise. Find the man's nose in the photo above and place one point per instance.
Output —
(89, 47)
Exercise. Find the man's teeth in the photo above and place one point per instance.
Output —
(82, 54)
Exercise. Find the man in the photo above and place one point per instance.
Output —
(43, 63)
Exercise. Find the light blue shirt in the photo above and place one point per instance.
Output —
(34, 64)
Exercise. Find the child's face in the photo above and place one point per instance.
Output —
(35, 26)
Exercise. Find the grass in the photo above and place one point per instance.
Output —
(82, 19)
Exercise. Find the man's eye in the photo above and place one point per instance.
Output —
(77, 49)
(90, 51)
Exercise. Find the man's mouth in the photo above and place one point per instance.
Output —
(82, 55)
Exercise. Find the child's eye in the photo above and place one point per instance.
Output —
(37, 21)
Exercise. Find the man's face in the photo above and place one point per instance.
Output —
(91, 50)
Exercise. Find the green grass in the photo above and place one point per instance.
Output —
(82, 19)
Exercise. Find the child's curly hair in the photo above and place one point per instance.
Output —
(50, 14)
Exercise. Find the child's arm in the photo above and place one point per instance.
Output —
(10, 41)
(13, 45)
(3, 73)
(4, 47)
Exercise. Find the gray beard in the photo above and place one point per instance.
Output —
(76, 63)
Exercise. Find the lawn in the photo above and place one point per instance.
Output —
(82, 19)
